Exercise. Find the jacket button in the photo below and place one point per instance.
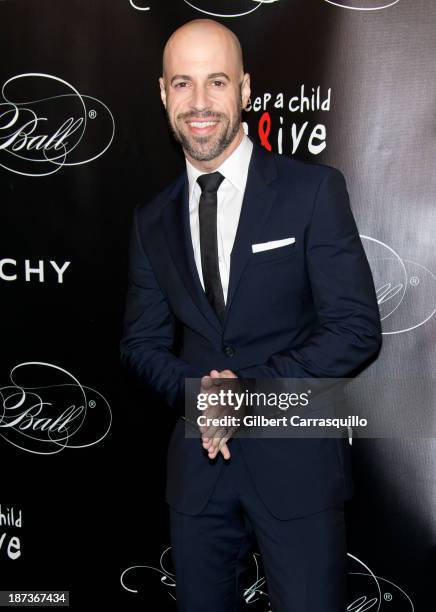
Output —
(229, 351)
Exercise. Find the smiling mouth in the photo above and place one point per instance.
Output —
(201, 125)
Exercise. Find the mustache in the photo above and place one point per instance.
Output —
(202, 115)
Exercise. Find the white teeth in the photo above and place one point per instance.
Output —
(202, 124)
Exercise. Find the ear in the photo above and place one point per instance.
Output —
(245, 90)
(163, 93)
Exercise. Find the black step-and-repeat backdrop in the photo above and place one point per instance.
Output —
(83, 139)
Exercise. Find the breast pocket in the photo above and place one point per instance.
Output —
(275, 254)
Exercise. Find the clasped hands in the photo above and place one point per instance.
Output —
(215, 438)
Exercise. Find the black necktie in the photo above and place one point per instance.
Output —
(207, 213)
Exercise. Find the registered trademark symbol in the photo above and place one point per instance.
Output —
(92, 114)
(414, 280)
(91, 403)
(387, 596)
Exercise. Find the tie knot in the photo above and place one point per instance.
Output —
(209, 183)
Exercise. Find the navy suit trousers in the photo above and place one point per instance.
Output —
(304, 559)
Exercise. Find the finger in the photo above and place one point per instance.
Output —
(218, 435)
(228, 374)
(212, 453)
(212, 447)
(221, 447)
(211, 441)
(215, 375)
(207, 382)
(216, 443)
(225, 451)
(206, 445)
(206, 440)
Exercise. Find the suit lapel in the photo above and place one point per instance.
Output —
(256, 205)
(178, 235)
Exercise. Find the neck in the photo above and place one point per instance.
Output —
(212, 164)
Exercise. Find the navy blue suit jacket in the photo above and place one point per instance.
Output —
(304, 311)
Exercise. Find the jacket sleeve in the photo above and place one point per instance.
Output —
(348, 333)
(148, 331)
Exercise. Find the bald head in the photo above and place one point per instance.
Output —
(199, 35)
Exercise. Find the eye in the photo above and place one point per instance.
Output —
(218, 83)
(181, 84)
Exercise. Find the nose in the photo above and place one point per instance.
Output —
(200, 98)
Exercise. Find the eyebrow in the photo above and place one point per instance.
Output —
(213, 75)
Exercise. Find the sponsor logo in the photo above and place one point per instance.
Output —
(32, 270)
(46, 409)
(367, 592)
(406, 290)
(279, 122)
(46, 124)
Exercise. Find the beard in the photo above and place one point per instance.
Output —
(206, 148)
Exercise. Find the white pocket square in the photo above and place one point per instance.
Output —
(272, 244)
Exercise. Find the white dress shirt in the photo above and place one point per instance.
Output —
(229, 196)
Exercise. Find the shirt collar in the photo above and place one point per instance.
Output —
(234, 168)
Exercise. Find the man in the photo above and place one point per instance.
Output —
(301, 306)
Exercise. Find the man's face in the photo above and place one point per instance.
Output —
(204, 91)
